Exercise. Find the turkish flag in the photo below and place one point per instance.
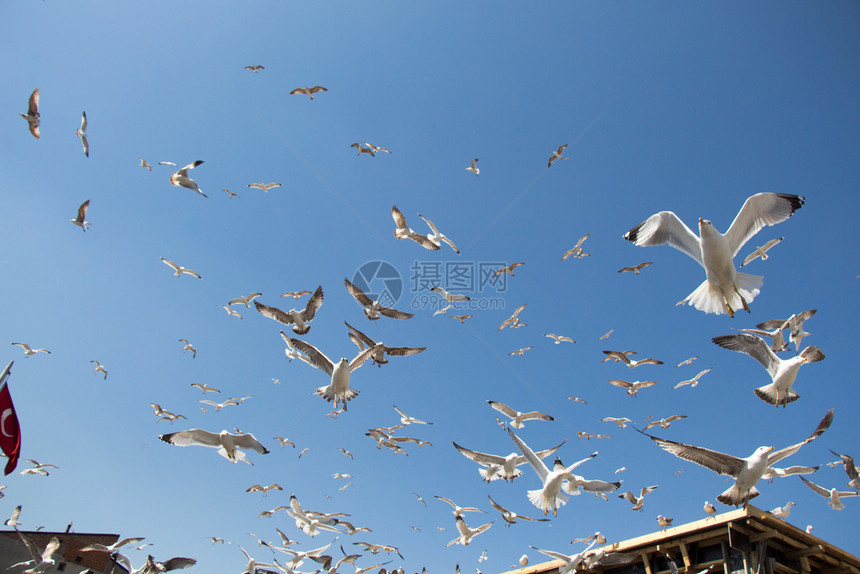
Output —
(10, 432)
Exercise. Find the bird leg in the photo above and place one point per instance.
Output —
(743, 301)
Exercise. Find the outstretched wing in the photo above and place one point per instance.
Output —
(751, 345)
(273, 313)
(315, 356)
(192, 437)
(536, 463)
(665, 227)
(759, 210)
(778, 455)
(247, 440)
(314, 303)
(479, 457)
(719, 462)
(359, 295)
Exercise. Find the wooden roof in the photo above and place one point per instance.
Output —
(747, 540)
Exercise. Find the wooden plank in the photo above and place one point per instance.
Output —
(646, 563)
(725, 548)
(817, 549)
(804, 565)
(685, 555)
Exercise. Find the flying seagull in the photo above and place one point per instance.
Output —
(403, 231)
(40, 561)
(622, 356)
(511, 517)
(436, 238)
(376, 148)
(298, 319)
(188, 347)
(264, 186)
(782, 371)
(179, 270)
(832, 494)
(28, 351)
(361, 340)
(180, 178)
(450, 297)
(81, 132)
(850, 469)
(556, 155)
(793, 323)
(746, 471)
(636, 268)
(761, 251)
(694, 381)
(373, 309)
(632, 388)
(724, 290)
(473, 167)
(513, 318)
(246, 300)
(145, 165)
(576, 251)
(518, 418)
(80, 220)
(32, 116)
(296, 294)
(494, 467)
(458, 510)
(228, 444)
(338, 390)
(255, 68)
(309, 91)
(100, 369)
(466, 533)
(361, 149)
(638, 501)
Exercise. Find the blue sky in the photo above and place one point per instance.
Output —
(688, 107)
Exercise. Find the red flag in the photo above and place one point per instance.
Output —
(10, 432)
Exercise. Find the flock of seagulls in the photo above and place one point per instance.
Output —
(724, 291)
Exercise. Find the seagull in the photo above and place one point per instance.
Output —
(338, 390)
(361, 149)
(39, 561)
(634, 387)
(724, 289)
(664, 522)
(95, 547)
(164, 414)
(407, 420)
(556, 155)
(179, 270)
(205, 388)
(81, 132)
(458, 510)
(510, 320)
(494, 467)
(37, 468)
(28, 351)
(576, 251)
(461, 318)
(180, 178)
(783, 511)
(13, 520)
(299, 319)
(850, 469)
(511, 517)
(377, 548)
(291, 352)
(99, 369)
(664, 423)
(376, 148)
(255, 68)
(517, 417)
(686, 362)
(345, 453)
(309, 91)
(170, 163)
(361, 340)
(231, 311)
(228, 444)
(509, 269)
(264, 489)
(253, 565)
(436, 238)
(636, 268)
(520, 351)
(794, 323)
(466, 533)
(692, 382)
(219, 406)
(622, 356)
(143, 164)
(621, 422)
(373, 309)
(779, 344)
(188, 347)
(775, 472)
(473, 167)
(559, 338)
(32, 116)
(230, 194)
(782, 371)
(606, 335)
(403, 231)
(761, 251)
(709, 509)
(832, 494)
(577, 400)
(549, 496)
(296, 294)
(638, 501)
(264, 186)
(285, 441)
(246, 300)
(80, 220)
(746, 471)
(450, 297)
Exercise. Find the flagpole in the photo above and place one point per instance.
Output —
(5, 373)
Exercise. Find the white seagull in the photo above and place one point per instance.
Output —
(793, 323)
(29, 351)
(436, 238)
(761, 251)
(511, 517)
(373, 309)
(473, 167)
(228, 444)
(638, 501)
(557, 155)
(180, 178)
(458, 510)
(246, 300)
(309, 92)
(264, 186)
(746, 471)
(338, 390)
(694, 381)
(494, 467)
(724, 289)
(298, 319)
(80, 220)
(466, 533)
(179, 270)
(850, 469)
(403, 231)
(517, 417)
(832, 494)
(32, 116)
(81, 132)
(782, 371)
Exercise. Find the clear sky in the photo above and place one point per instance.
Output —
(684, 106)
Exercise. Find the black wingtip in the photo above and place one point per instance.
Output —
(794, 201)
(633, 234)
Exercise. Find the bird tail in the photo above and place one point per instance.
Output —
(733, 497)
(708, 298)
(538, 499)
(239, 455)
(328, 393)
(770, 394)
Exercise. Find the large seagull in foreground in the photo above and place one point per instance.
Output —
(724, 290)
(746, 471)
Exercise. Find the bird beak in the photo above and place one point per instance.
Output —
(701, 221)
(770, 449)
